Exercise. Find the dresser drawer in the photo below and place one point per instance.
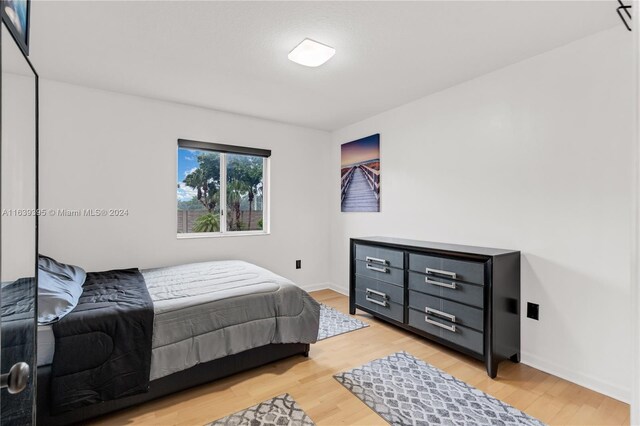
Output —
(380, 256)
(379, 272)
(452, 311)
(457, 334)
(461, 270)
(378, 304)
(392, 293)
(453, 290)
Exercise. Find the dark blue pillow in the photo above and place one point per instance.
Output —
(59, 288)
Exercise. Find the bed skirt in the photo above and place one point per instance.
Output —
(194, 376)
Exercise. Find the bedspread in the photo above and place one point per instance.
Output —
(205, 311)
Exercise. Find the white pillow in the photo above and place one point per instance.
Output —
(59, 289)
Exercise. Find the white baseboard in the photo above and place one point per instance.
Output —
(327, 286)
(588, 381)
(315, 287)
(339, 289)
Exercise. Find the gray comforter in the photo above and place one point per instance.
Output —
(205, 311)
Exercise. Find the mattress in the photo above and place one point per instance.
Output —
(46, 345)
(205, 311)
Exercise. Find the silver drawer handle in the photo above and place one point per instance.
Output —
(377, 302)
(451, 328)
(375, 260)
(440, 272)
(379, 293)
(375, 268)
(439, 284)
(451, 318)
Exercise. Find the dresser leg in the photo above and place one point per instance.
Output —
(492, 369)
(515, 358)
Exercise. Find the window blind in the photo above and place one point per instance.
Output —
(218, 147)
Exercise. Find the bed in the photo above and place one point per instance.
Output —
(210, 320)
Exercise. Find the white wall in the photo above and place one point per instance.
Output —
(18, 167)
(635, 276)
(105, 150)
(536, 157)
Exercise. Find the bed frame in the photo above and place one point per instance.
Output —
(194, 376)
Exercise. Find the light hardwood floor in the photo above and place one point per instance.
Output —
(310, 382)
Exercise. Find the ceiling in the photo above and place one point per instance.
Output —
(232, 56)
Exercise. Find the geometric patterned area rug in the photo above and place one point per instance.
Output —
(333, 323)
(279, 411)
(407, 391)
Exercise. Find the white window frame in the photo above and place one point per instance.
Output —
(266, 202)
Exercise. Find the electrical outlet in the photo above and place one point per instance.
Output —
(298, 264)
(533, 311)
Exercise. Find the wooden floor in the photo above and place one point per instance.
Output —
(310, 382)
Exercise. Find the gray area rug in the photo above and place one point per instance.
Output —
(407, 391)
(282, 410)
(333, 323)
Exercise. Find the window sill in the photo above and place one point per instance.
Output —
(191, 235)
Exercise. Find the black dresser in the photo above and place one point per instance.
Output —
(467, 298)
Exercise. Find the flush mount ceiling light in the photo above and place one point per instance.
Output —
(311, 53)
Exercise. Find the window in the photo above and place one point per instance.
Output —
(221, 189)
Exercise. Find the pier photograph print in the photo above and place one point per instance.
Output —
(360, 184)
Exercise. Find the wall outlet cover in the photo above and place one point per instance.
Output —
(298, 264)
(533, 311)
